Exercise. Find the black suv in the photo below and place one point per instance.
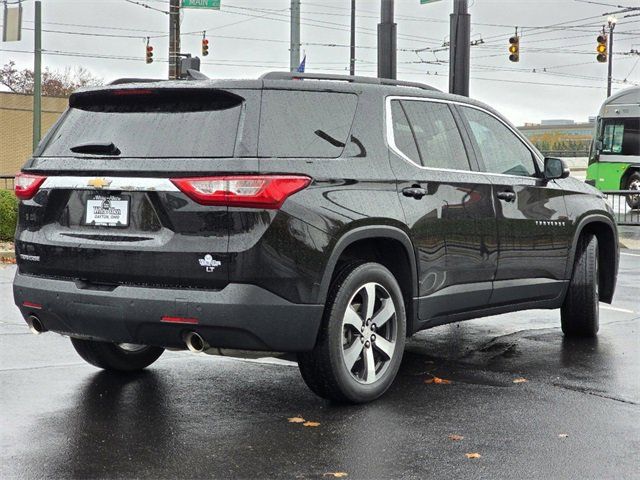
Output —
(325, 216)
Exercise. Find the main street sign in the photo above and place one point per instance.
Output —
(212, 4)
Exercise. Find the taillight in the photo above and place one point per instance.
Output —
(263, 191)
(25, 185)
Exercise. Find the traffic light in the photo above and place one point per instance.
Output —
(205, 46)
(602, 48)
(514, 48)
(149, 58)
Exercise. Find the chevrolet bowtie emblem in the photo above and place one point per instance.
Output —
(99, 182)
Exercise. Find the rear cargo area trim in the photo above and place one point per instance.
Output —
(135, 184)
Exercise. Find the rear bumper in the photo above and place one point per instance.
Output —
(239, 316)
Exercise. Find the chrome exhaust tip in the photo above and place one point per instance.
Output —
(35, 325)
(195, 343)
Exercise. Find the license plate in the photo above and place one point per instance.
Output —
(108, 211)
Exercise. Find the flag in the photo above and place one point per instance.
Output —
(302, 64)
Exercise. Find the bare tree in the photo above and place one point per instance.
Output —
(54, 83)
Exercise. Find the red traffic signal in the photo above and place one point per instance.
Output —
(205, 47)
(149, 58)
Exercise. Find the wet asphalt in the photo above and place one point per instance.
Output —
(577, 415)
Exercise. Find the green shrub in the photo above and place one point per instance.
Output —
(8, 215)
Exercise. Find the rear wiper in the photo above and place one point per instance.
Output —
(98, 148)
(333, 141)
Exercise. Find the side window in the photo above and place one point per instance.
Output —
(436, 133)
(501, 150)
(402, 135)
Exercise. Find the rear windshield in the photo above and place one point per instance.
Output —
(304, 123)
(148, 123)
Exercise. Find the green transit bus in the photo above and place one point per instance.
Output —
(614, 158)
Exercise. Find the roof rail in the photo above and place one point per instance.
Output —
(343, 78)
(120, 81)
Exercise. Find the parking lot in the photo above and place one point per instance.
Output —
(508, 388)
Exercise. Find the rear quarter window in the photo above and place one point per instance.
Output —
(305, 123)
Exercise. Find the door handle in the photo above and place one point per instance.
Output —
(507, 196)
(414, 192)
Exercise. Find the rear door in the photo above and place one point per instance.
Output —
(110, 211)
(533, 229)
(447, 205)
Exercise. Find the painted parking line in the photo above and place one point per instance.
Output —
(616, 309)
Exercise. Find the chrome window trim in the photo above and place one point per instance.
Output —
(391, 143)
(126, 184)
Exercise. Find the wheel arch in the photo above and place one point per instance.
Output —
(387, 245)
(606, 232)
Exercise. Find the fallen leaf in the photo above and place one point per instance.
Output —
(296, 420)
(563, 435)
(520, 380)
(437, 380)
(311, 424)
(336, 474)
(455, 438)
(472, 455)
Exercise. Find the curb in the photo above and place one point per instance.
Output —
(7, 254)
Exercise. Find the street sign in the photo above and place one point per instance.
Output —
(12, 25)
(211, 4)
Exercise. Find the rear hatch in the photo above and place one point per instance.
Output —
(108, 210)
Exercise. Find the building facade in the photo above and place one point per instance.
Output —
(16, 125)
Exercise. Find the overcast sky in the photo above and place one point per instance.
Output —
(249, 37)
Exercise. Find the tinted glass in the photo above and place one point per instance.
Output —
(621, 136)
(305, 124)
(500, 149)
(437, 136)
(402, 136)
(152, 123)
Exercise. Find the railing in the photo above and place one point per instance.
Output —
(565, 153)
(621, 201)
(6, 182)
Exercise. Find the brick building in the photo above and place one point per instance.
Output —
(16, 123)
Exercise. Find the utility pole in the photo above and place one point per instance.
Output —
(352, 46)
(174, 39)
(387, 31)
(37, 75)
(294, 49)
(612, 24)
(460, 48)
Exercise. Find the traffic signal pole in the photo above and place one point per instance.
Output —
(460, 48)
(387, 31)
(294, 48)
(174, 39)
(610, 67)
(37, 75)
(352, 46)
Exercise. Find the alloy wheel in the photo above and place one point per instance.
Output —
(369, 330)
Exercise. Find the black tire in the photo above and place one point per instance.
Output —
(633, 183)
(325, 370)
(111, 356)
(580, 312)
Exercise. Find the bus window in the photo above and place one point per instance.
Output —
(621, 136)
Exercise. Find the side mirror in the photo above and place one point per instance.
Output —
(555, 168)
(598, 145)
